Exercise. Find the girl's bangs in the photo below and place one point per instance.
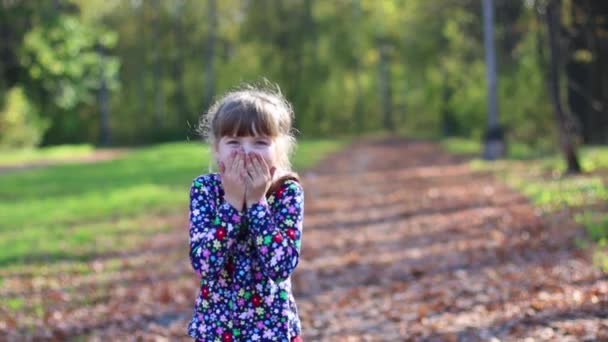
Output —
(242, 120)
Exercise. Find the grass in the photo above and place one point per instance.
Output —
(515, 150)
(461, 145)
(52, 153)
(15, 303)
(74, 211)
(541, 178)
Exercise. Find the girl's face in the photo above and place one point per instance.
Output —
(262, 145)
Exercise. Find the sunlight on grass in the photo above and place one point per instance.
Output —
(597, 225)
(542, 181)
(310, 152)
(15, 303)
(49, 242)
(552, 194)
(94, 205)
(515, 150)
(61, 211)
(461, 145)
(13, 157)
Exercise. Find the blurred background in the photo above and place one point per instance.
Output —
(136, 72)
(483, 122)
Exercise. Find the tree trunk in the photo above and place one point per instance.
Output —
(358, 117)
(494, 145)
(159, 100)
(565, 140)
(305, 59)
(179, 97)
(104, 112)
(209, 86)
(447, 119)
(358, 110)
(142, 67)
(598, 76)
(385, 86)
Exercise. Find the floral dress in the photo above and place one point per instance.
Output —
(245, 261)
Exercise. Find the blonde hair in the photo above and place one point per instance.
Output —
(253, 109)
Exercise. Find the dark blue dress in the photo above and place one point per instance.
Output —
(245, 261)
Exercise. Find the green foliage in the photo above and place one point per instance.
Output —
(63, 58)
(66, 62)
(324, 55)
(20, 124)
(593, 158)
(525, 108)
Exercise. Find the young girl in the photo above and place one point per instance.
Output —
(246, 222)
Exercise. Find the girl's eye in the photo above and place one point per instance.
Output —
(232, 142)
(262, 142)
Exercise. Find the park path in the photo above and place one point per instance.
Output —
(402, 242)
(405, 242)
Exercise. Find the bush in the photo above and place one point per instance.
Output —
(20, 124)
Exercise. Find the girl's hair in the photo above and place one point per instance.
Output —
(252, 109)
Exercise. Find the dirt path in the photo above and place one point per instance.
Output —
(405, 242)
(402, 242)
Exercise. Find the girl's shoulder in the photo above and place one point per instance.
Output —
(208, 180)
(290, 179)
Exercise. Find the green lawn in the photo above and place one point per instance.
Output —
(75, 211)
(53, 153)
(541, 179)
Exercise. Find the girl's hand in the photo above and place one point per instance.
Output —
(258, 178)
(233, 175)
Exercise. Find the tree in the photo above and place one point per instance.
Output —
(105, 132)
(586, 72)
(65, 71)
(565, 138)
(159, 94)
(180, 102)
(209, 55)
(415, 66)
(384, 75)
(494, 138)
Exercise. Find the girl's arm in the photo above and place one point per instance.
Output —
(277, 231)
(213, 230)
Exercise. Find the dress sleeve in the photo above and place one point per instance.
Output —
(276, 228)
(213, 228)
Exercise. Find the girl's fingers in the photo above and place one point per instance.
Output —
(241, 163)
(232, 163)
(242, 170)
(245, 169)
(235, 165)
(251, 171)
(250, 168)
(222, 167)
(263, 166)
(231, 160)
(243, 173)
(256, 168)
